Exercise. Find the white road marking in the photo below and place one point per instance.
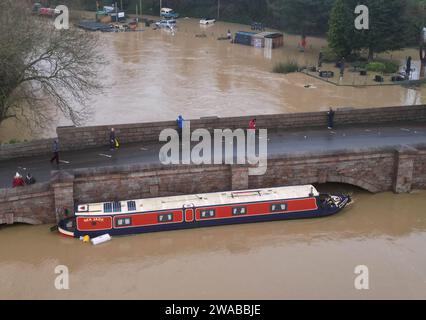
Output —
(144, 149)
(105, 155)
(407, 130)
(63, 161)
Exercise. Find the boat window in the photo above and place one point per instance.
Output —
(117, 206)
(108, 207)
(165, 217)
(122, 222)
(131, 205)
(205, 214)
(278, 207)
(239, 211)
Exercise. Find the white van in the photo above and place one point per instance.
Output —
(168, 13)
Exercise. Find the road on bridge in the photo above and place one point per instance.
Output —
(281, 142)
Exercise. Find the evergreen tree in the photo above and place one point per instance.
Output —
(341, 29)
(387, 24)
(301, 16)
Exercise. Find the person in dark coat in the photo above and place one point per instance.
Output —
(55, 150)
(29, 179)
(342, 66)
(330, 116)
(112, 139)
(320, 58)
(408, 68)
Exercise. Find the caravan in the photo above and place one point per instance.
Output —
(168, 13)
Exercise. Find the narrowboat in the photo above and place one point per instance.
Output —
(200, 210)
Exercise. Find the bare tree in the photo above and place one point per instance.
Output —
(42, 67)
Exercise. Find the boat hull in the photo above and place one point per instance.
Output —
(320, 212)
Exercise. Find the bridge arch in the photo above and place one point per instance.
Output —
(24, 220)
(355, 182)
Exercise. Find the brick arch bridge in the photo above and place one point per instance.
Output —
(386, 169)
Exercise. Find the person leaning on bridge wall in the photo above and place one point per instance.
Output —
(252, 124)
(179, 122)
(330, 118)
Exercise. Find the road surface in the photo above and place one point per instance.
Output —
(278, 143)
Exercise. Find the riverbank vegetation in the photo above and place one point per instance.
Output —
(290, 66)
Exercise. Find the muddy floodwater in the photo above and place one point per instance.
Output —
(280, 260)
(156, 75)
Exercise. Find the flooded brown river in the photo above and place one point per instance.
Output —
(156, 75)
(280, 260)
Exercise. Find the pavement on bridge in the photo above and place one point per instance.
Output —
(280, 142)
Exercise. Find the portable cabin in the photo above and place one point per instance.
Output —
(274, 40)
(269, 40)
(245, 38)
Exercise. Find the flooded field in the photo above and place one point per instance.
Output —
(156, 75)
(280, 260)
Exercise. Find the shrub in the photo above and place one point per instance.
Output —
(329, 56)
(376, 67)
(286, 67)
(383, 66)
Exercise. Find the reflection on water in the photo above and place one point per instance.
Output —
(290, 259)
(154, 75)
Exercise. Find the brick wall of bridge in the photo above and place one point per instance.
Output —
(73, 138)
(76, 138)
(386, 169)
(32, 205)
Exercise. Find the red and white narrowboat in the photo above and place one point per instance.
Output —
(200, 210)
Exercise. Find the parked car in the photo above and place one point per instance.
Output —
(206, 21)
(166, 23)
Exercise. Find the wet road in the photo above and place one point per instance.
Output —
(281, 142)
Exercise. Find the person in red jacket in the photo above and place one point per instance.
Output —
(252, 124)
(18, 181)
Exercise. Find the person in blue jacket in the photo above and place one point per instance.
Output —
(180, 121)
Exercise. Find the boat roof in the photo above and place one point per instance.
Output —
(195, 200)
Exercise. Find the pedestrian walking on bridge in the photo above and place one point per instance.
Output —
(113, 141)
(55, 150)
